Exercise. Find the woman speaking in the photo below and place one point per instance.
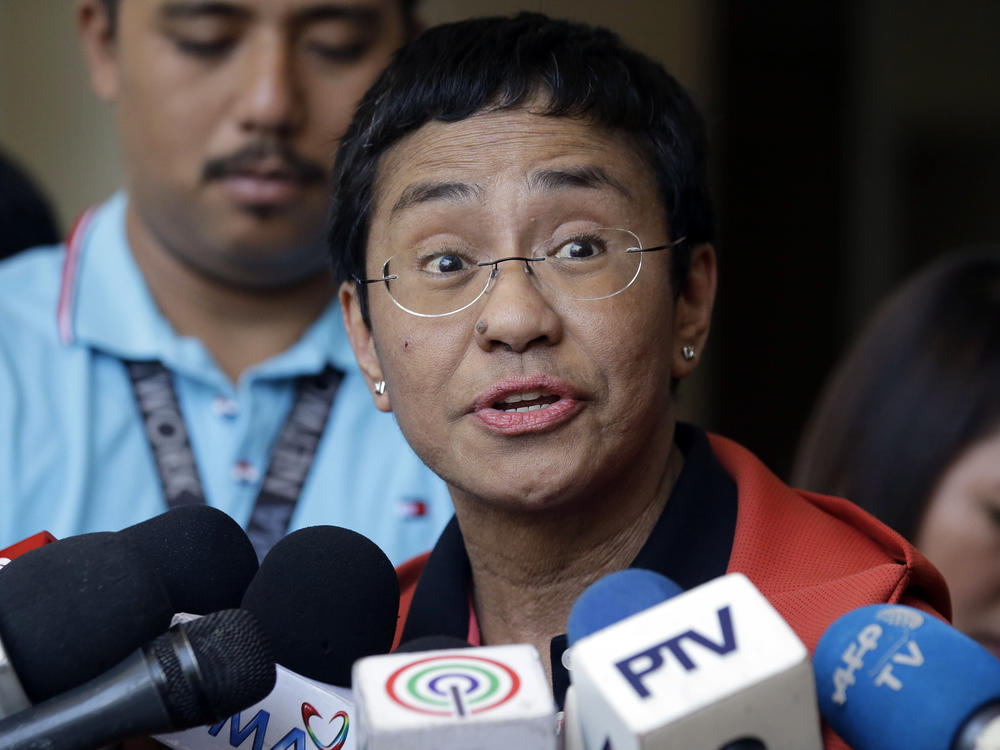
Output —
(523, 235)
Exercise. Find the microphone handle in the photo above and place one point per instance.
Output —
(123, 702)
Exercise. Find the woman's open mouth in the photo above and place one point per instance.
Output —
(518, 406)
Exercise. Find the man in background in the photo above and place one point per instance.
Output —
(181, 346)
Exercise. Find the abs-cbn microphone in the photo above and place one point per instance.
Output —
(892, 677)
(193, 674)
(714, 667)
(484, 698)
(325, 596)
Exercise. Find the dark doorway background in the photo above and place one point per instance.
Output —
(853, 142)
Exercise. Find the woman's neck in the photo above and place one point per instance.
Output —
(529, 568)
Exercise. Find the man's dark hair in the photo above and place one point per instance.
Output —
(564, 69)
(917, 389)
(408, 7)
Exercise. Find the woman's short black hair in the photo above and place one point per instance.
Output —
(920, 385)
(564, 69)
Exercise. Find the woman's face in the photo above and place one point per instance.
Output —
(507, 183)
(960, 534)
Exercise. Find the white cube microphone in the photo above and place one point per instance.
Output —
(700, 671)
(489, 698)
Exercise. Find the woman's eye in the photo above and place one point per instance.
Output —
(578, 248)
(445, 263)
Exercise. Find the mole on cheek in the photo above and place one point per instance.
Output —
(406, 343)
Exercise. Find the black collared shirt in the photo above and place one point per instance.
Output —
(690, 544)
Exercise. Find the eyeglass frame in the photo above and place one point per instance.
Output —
(496, 271)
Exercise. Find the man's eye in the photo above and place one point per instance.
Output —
(339, 53)
(205, 48)
(578, 249)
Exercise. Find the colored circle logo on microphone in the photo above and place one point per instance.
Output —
(453, 685)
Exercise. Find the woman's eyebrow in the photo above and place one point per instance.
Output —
(425, 192)
(584, 176)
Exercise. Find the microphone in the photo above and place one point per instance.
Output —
(487, 698)
(190, 675)
(72, 609)
(889, 676)
(202, 556)
(714, 667)
(325, 596)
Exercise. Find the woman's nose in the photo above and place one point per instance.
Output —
(516, 315)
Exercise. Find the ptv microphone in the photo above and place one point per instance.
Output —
(892, 677)
(190, 675)
(325, 596)
(714, 667)
(486, 698)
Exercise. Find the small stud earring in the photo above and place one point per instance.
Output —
(379, 387)
(688, 352)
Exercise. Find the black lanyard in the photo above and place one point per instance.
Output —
(290, 462)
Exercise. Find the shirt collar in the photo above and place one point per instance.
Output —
(690, 544)
(113, 311)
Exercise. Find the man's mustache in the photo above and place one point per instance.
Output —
(248, 160)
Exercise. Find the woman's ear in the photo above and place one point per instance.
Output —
(363, 344)
(693, 310)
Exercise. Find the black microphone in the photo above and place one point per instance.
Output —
(203, 557)
(73, 609)
(325, 596)
(194, 674)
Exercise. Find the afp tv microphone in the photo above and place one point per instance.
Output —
(325, 596)
(890, 677)
(715, 667)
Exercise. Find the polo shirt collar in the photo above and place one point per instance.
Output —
(690, 544)
(112, 310)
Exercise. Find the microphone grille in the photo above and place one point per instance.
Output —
(234, 668)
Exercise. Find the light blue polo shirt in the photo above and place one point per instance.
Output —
(74, 456)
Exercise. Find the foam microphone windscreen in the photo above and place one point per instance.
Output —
(326, 596)
(202, 556)
(616, 596)
(73, 609)
(234, 663)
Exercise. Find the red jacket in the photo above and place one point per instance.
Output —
(813, 557)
